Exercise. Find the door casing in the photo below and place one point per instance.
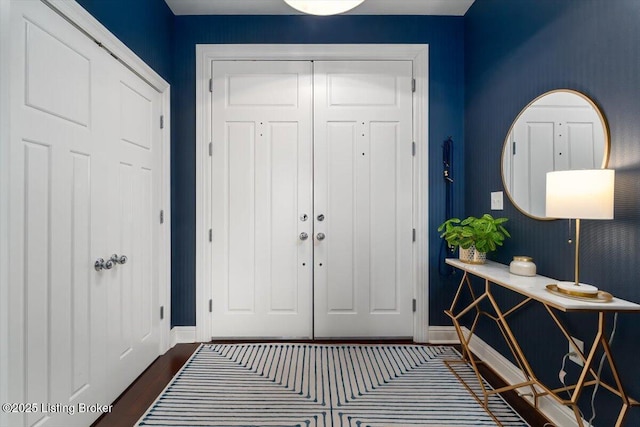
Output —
(417, 53)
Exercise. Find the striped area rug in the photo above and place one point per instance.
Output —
(312, 385)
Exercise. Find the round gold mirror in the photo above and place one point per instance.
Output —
(559, 130)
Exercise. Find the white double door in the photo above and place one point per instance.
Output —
(84, 185)
(312, 199)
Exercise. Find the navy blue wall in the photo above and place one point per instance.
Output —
(446, 81)
(145, 26)
(514, 51)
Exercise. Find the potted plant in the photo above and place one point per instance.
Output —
(474, 236)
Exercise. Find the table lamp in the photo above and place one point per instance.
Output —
(580, 194)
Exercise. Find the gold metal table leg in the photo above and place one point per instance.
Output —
(500, 319)
(600, 340)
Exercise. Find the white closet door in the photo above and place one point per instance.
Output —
(133, 229)
(363, 190)
(261, 181)
(58, 173)
(83, 186)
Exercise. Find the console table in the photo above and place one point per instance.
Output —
(534, 290)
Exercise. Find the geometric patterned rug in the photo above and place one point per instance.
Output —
(314, 385)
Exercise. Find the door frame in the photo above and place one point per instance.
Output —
(5, 86)
(417, 53)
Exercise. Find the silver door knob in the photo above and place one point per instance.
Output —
(101, 264)
(304, 236)
(119, 259)
(320, 236)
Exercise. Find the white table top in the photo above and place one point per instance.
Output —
(535, 288)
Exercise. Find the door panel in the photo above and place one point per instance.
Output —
(50, 59)
(281, 186)
(261, 186)
(80, 272)
(38, 279)
(384, 225)
(341, 225)
(241, 144)
(121, 310)
(363, 185)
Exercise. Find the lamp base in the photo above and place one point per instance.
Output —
(581, 290)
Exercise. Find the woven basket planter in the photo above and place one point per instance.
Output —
(472, 255)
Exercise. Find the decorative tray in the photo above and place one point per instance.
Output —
(601, 296)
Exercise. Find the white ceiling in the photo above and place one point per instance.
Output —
(279, 7)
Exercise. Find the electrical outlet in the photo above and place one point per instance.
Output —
(576, 359)
(497, 201)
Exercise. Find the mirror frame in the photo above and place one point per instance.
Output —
(605, 129)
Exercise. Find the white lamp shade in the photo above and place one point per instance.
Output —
(323, 7)
(580, 194)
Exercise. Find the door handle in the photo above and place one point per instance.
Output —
(303, 236)
(101, 264)
(320, 236)
(119, 259)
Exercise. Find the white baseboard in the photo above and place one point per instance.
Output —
(559, 414)
(443, 335)
(183, 334)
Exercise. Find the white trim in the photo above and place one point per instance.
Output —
(421, 194)
(183, 334)
(417, 53)
(443, 335)
(165, 230)
(203, 203)
(557, 413)
(5, 34)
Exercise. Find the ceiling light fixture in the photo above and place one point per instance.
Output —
(323, 7)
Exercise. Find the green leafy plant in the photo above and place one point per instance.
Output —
(486, 232)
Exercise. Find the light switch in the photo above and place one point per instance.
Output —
(497, 201)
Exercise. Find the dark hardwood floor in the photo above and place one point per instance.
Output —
(135, 400)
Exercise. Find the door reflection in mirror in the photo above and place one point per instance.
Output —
(559, 130)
